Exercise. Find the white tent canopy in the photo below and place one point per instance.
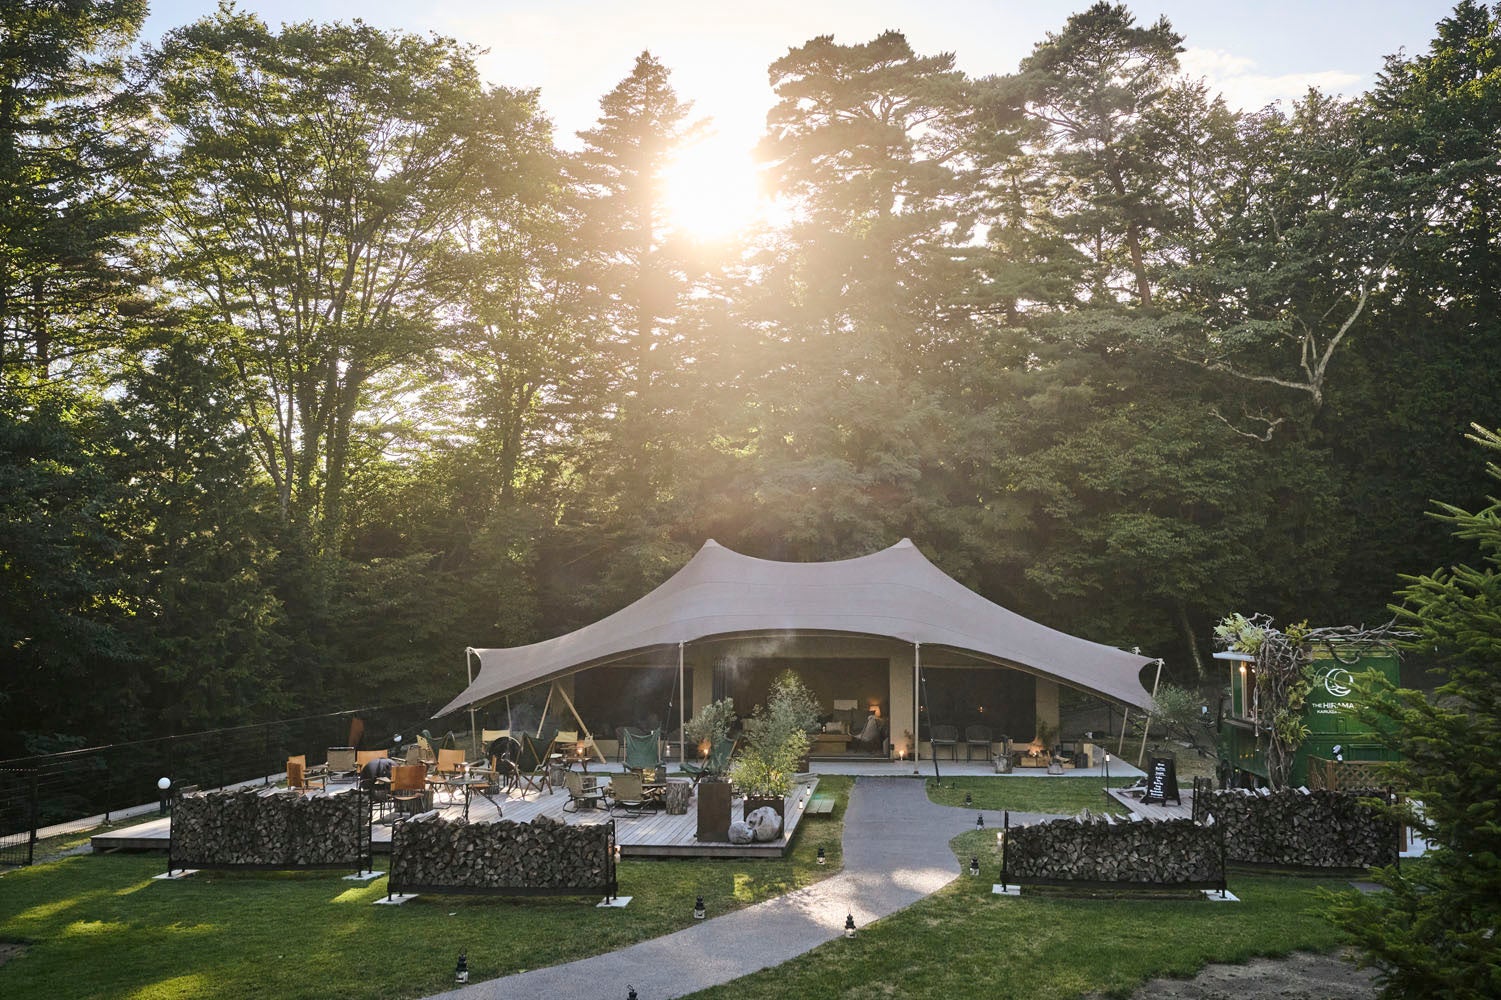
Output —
(895, 593)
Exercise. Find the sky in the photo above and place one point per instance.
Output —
(576, 51)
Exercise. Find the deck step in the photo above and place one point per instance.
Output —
(820, 805)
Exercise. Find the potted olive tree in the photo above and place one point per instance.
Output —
(710, 729)
(776, 741)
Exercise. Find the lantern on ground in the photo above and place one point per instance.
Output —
(461, 971)
(969, 800)
(979, 821)
(822, 858)
(698, 908)
(849, 925)
(162, 786)
(630, 992)
(974, 866)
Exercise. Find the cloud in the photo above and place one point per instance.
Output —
(1236, 78)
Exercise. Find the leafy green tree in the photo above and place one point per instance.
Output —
(69, 164)
(1433, 932)
(1093, 86)
(196, 522)
(314, 178)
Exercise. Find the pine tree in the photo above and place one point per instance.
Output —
(1434, 932)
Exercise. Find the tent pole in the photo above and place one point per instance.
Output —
(469, 666)
(1146, 726)
(545, 706)
(916, 728)
(682, 721)
(1120, 745)
(583, 727)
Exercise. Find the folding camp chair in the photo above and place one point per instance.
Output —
(717, 762)
(531, 766)
(643, 752)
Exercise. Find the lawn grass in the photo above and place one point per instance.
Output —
(965, 942)
(99, 927)
(1060, 794)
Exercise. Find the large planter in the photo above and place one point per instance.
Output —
(713, 810)
(775, 803)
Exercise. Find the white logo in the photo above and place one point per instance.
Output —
(1338, 682)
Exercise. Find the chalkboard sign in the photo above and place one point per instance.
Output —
(1162, 781)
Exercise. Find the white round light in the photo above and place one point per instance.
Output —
(164, 783)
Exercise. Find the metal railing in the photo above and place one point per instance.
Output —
(99, 781)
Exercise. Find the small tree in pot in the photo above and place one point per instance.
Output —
(776, 741)
(708, 728)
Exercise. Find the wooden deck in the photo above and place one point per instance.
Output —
(1155, 810)
(653, 834)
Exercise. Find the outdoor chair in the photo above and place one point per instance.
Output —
(409, 787)
(504, 752)
(627, 794)
(945, 736)
(298, 778)
(415, 756)
(343, 762)
(363, 757)
(450, 762)
(643, 751)
(717, 762)
(531, 766)
(976, 736)
(584, 791)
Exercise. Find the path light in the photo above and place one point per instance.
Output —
(979, 821)
(849, 925)
(162, 784)
(822, 858)
(630, 992)
(968, 800)
(461, 971)
(1107, 774)
(698, 908)
(974, 866)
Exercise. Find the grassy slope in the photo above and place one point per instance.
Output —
(966, 942)
(99, 926)
(1064, 795)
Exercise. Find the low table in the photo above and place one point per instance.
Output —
(830, 743)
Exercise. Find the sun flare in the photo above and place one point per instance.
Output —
(711, 191)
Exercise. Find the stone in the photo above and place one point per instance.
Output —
(741, 833)
(765, 823)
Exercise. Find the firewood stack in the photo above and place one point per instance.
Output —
(1296, 827)
(277, 828)
(429, 850)
(1090, 848)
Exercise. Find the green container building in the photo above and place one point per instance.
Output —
(1334, 731)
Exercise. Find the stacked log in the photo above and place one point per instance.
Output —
(1304, 829)
(1092, 848)
(544, 855)
(268, 829)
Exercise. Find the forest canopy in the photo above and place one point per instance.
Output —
(322, 359)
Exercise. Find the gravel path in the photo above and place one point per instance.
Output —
(1299, 976)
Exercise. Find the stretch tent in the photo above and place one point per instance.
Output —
(895, 593)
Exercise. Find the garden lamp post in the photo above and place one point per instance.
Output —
(698, 908)
(461, 971)
(1107, 774)
(163, 785)
(849, 925)
(822, 858)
